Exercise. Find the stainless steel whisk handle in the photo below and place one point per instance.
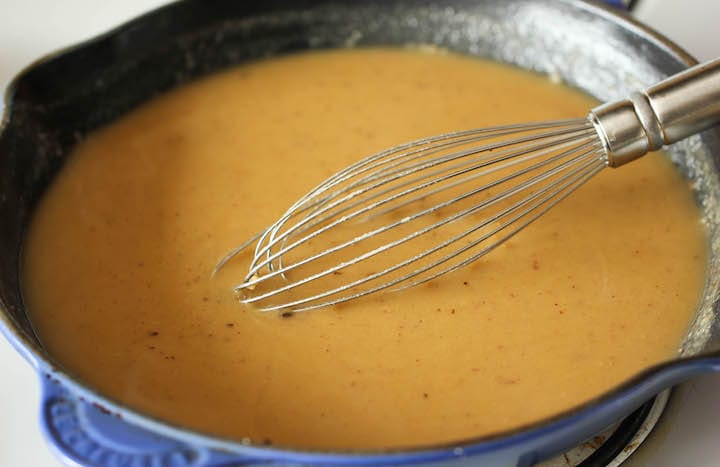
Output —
(673, 109)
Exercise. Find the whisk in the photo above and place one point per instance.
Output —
(415, 212)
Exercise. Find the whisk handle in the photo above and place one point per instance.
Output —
(671, 110)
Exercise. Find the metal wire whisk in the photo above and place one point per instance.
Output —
(415, 212)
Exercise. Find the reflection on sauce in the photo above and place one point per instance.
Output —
(119, 256)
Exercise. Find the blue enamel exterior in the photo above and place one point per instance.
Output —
(82, 432)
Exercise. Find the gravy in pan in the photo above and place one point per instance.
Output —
(119, 256)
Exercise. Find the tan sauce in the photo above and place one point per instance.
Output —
(119, 256)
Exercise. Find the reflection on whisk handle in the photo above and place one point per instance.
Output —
(669, 111)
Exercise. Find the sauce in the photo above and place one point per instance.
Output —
(119, 256)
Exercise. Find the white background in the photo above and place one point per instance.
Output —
(31, 28)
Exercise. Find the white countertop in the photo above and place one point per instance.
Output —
(32, 28)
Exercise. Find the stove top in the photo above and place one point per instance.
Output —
(616, 444)
(687, 431)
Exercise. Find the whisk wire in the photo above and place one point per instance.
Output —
(367, 208)
(312, 198)
(271, 239)
(581, 144)
(593, 163)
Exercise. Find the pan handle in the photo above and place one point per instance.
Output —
(81, 433)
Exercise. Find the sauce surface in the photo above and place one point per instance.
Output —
(119, 256)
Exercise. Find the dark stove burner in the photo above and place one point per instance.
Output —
(620, 438)
(614, 445)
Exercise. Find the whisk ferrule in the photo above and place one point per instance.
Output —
(628, 129)
(682, 105)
